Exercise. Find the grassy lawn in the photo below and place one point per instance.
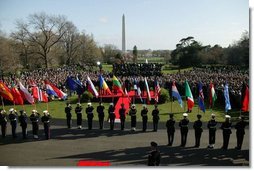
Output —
(56, 109)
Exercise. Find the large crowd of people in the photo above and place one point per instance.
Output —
(233, 76)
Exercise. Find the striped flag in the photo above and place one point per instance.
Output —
(25, 93)
(188, 94)
(91, 87)
(147, 90)
(212, 95)
(157, 90)
(5, 92)
(117, 85)
(103, 85)
(176, 94)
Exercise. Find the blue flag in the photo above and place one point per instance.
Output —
(227, 100)
(201, 102)
(74, 85)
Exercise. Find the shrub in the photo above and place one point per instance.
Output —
(164, 96)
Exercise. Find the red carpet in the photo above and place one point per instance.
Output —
(93, 163)
(126, 101)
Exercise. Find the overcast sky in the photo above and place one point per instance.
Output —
(150, 24)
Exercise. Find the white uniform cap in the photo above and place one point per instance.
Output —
(227, 116)
(3, 111)
(34, 111)
(89, 104)
(144, 105)
(212, 114)
(45, 112)
(11, 110)
(185, 114)
(133, 105)
(111, 104)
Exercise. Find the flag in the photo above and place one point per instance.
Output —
(74, 85)
(53, 90)
(5, 92)
(188, 94)
(147, 90)
(39, 95)
(212, 95)
(245, 104)
(17, 96)
(201, 102)
(117, 85)
(103, 85)
(139, 94)
(25, 93)
(176, 94)
(157, 90)
(91, 87)
(135, 87)
(227, 100)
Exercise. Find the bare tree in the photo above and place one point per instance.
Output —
(43, 32)
(70, 42)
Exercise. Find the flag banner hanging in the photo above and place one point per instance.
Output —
(201, 101)
(227, 100)
(176, 94)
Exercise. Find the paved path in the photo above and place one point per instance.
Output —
(120, 148)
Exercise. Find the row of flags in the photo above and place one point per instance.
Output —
(212, 97)
(17, 96)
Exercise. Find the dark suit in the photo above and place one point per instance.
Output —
(198, 131)
(170, 124)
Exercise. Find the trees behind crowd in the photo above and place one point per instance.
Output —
(190, 52)
(43, 41)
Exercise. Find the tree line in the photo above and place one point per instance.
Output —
(44, 41)
(189, 52)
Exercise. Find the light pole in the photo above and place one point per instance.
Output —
(100, 67)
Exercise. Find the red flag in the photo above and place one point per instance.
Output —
(44, 96)
(17, 96)
(35, 92)
(5, 92)
(245, 105)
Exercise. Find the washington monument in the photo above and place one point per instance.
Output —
(123, 35)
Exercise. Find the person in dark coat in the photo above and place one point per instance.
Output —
(240, 131)
(13, 117)
(183, 124)
(198, 130)
(78, 111)
(132, 113)
(23, 123)
(226, 131)
(89, 112)
(154, 157)
(144, 112)
(211, 125)
(101, 115)
(170, 124)
(122, 112)
(34, 118)
(111, 116)
(3, 122)
(68, 109)
(45, 119)
(156, 118)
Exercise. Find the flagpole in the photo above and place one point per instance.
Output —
(172, 104)
(2, 102)
(240, 104)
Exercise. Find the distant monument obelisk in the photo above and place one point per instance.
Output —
(123, 35)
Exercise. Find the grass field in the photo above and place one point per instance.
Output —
(56, 109)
